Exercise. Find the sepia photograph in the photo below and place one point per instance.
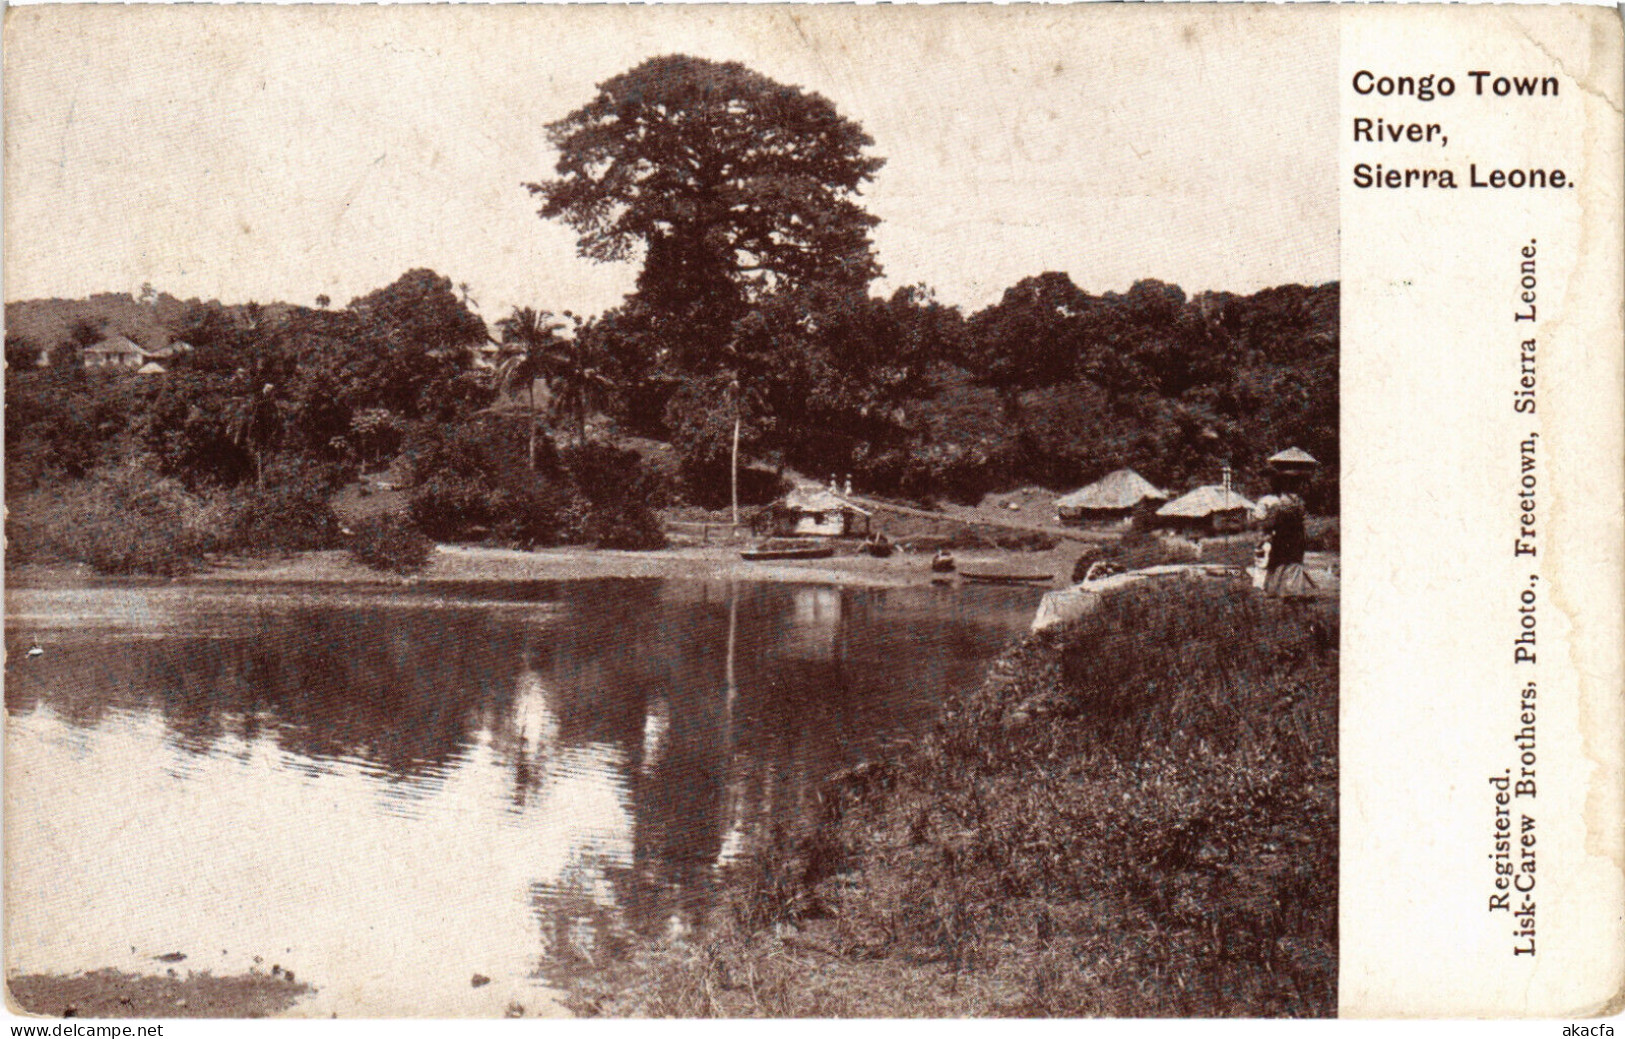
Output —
(677, 512)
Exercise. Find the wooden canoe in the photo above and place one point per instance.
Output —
(766, 554)
(995, 577)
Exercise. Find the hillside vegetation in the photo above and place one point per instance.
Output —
(1051, 386)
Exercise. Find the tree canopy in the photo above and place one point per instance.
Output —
(419, 311)
(730, 184)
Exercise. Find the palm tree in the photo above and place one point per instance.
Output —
(530, 341)
(253, 412)
(577, 378)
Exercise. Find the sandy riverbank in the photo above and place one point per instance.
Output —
(111, 993)
(458, 564)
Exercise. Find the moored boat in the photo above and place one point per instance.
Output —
(766, 554)
(1004, 577)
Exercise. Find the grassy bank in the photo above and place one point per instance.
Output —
(1134, 815)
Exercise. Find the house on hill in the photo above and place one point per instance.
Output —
(169, 352)
(114, 352)
(1210, 509)
(121, 353)
(487, 356)
(813, 512)
(160, 359)
(1110, 500)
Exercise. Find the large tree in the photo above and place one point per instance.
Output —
(729, 184)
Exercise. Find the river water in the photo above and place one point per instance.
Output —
(389, 793)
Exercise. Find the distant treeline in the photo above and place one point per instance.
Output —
(1052, 386)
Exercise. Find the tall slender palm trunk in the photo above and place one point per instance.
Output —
(530, 424)
(735, 466)
(581, 390)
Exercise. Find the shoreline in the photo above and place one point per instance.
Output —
(465, 564)
(109, 993)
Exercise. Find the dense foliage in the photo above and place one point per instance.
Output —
(903, 392)
(615, 498)
(1050, 386)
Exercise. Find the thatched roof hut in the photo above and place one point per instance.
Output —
(1112, 498)
(1211, 509)
(814, 511)
(1293, 460)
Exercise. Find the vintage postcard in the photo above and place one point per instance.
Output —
(964, 512)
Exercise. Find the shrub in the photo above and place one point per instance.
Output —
(1090, 555)
(290, 513)
(618, 497)
(630, 530)
(472, 483)
(1324, 534)
(61, 423)
(1025, 540)
(125, 519)
(941, 471)
(701, 429)
(389, 544)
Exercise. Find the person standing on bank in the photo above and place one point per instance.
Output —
(1283, 516)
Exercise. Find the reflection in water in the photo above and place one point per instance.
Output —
(393, 793)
